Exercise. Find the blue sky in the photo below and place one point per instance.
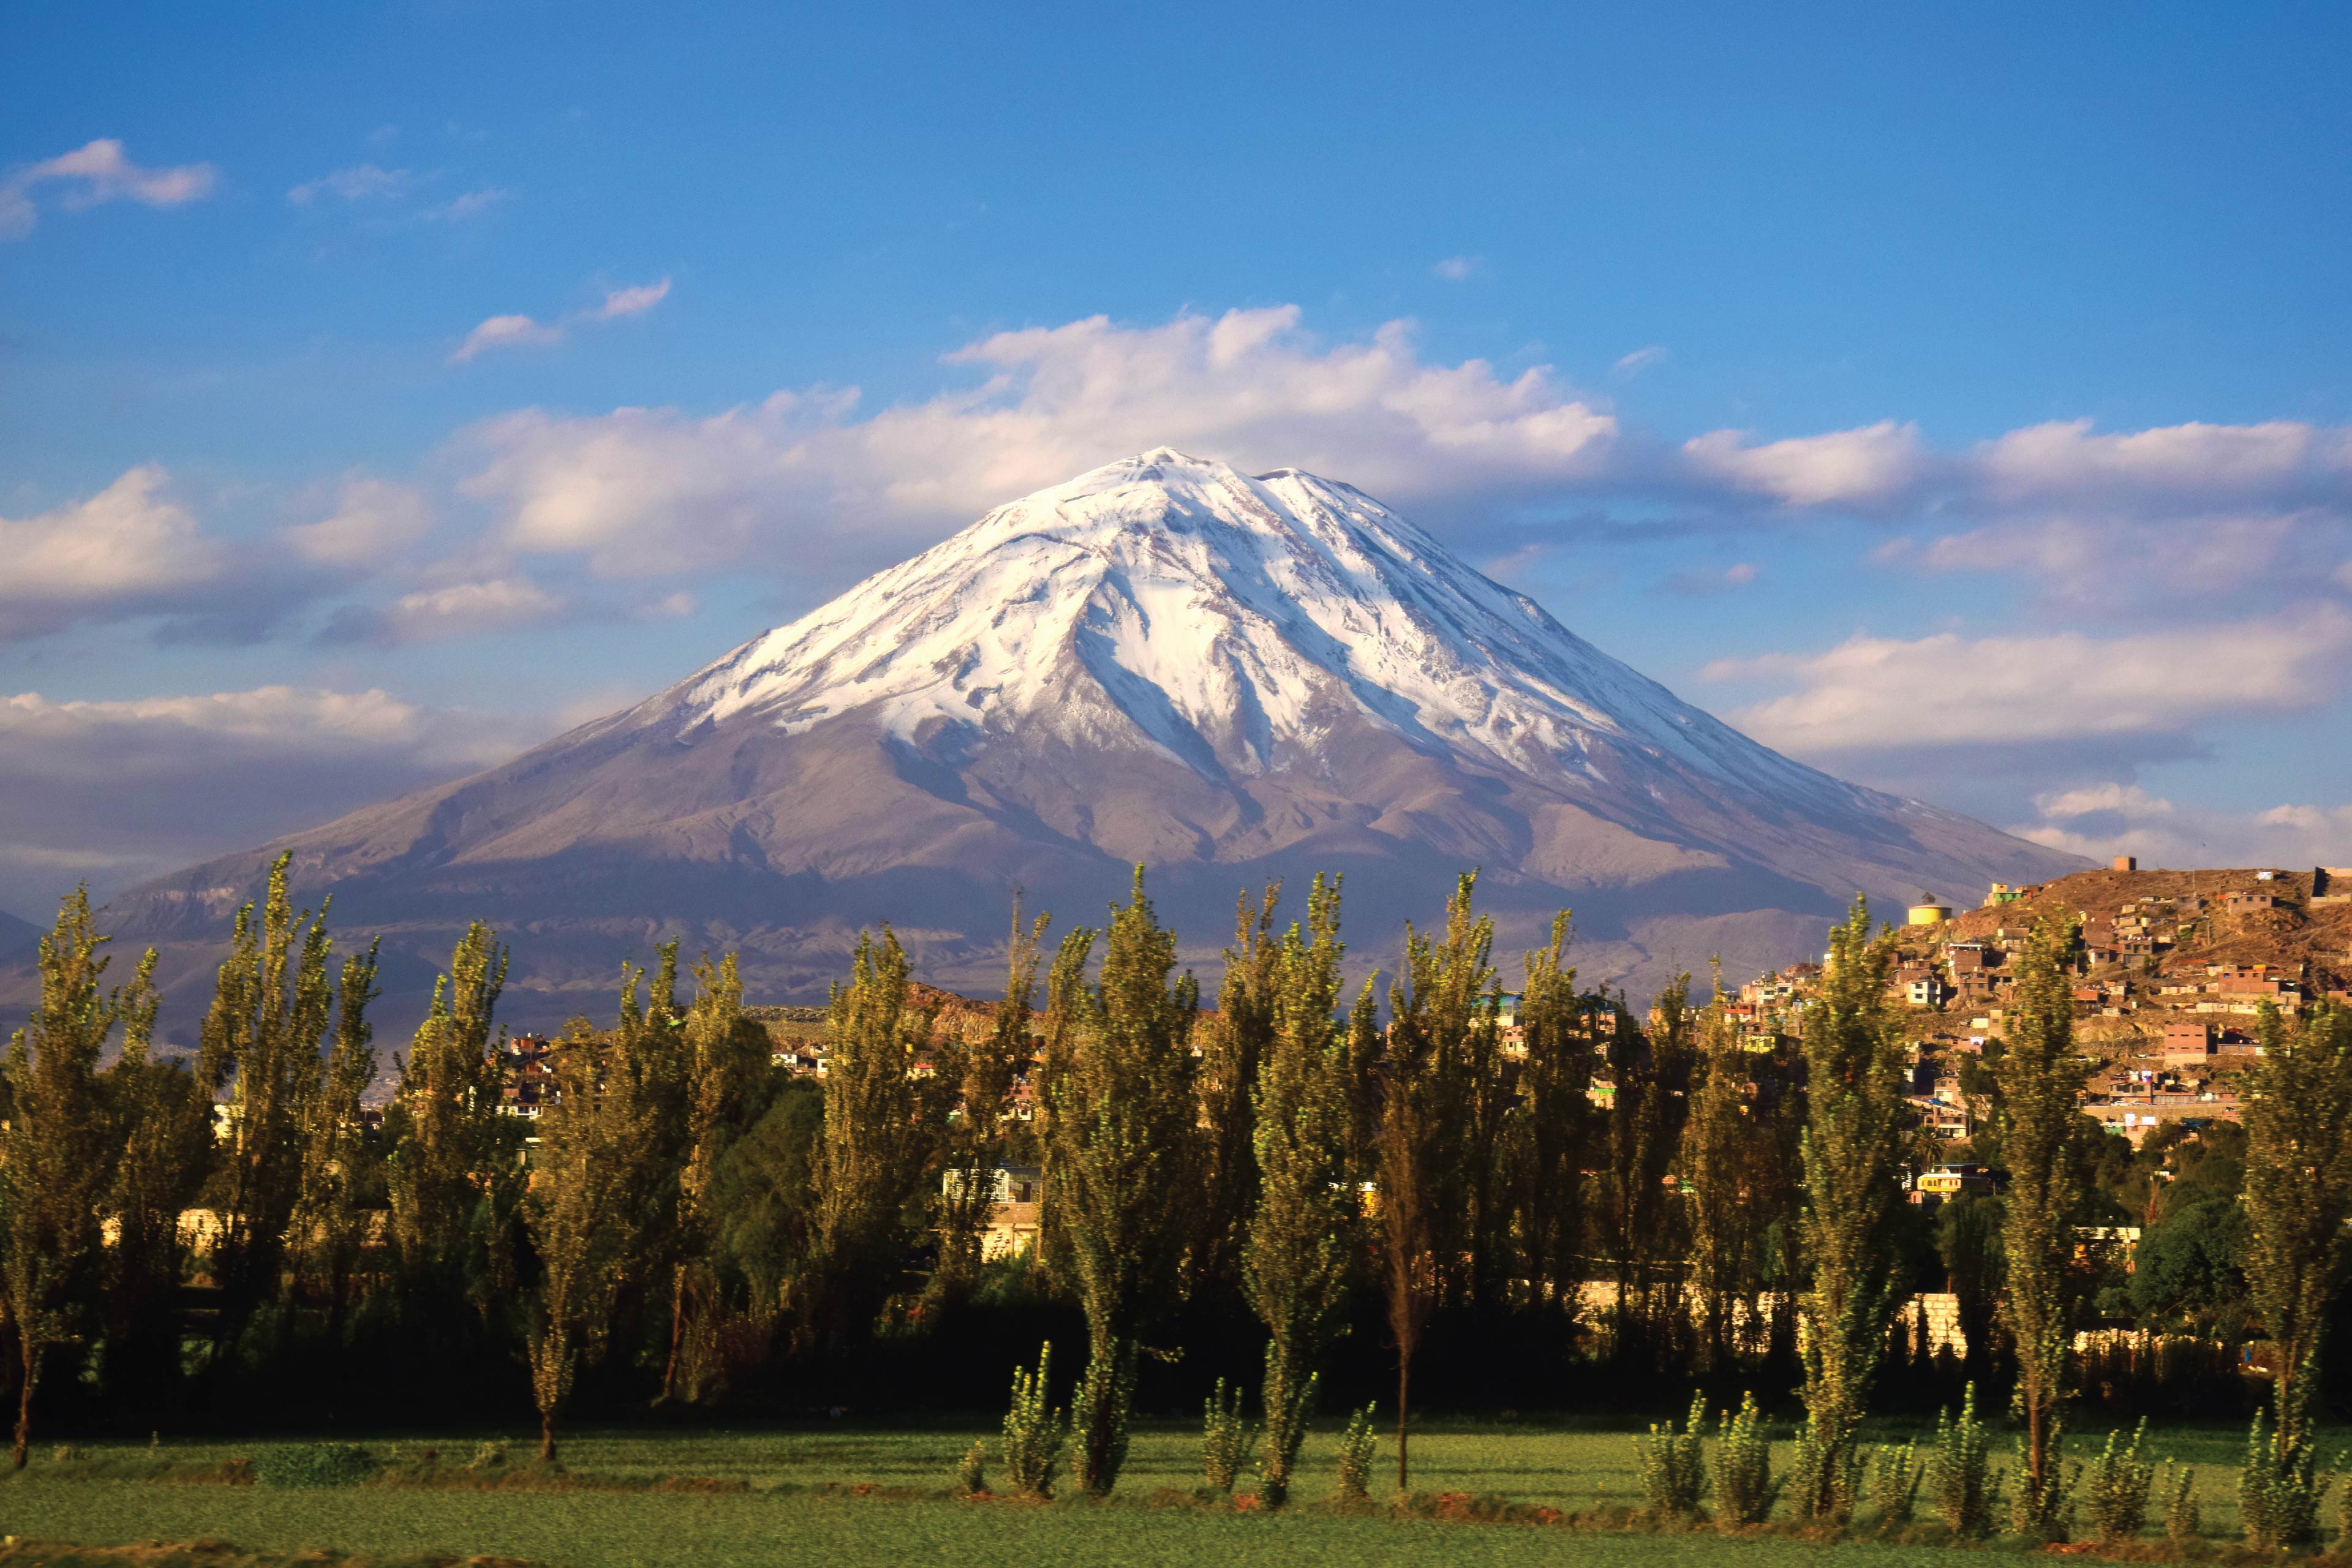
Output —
(1957, 397)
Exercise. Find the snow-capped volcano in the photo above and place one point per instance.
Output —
(1230, 621)
(1230, 677)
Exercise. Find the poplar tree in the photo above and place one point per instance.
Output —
(330, 1227)
(260, 1045)
(1234, 1042)
(2297, 1111)
(1447, 1022)
(1434, 1011)
(1645, 1122)
(2038, 1084)
(976, 1142)
(642, 1090)
(1853, 1138)
(447, 1200)
(160, 1122)
(568, 1211)
(1555, 1078)
(871, 1153)
(1718, 1168)
(1295, 1262)
(1124, 1128)
(56, 1158)
(724, 1053)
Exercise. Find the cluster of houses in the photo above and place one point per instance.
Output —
(2183, 1016)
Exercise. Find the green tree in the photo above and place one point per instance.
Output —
(725, 1057)
(872, 1153)
(976, 1139)
(160, 1122)
(448, 1193)
(1124, 1130)
(568, 1211)
(2297, 1111)
(1295, 1262)
(330, 1225)
(2038, 1082)
(1853, 1138)
(1233, 1041)
(1652, 1072)
(1718, 1174)
(1430, 1164)
(56, 1153)
(1555, 1075)
(270, 1008)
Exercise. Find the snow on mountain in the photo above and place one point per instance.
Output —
(1230, 677)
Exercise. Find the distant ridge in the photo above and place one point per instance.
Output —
(1229, 677)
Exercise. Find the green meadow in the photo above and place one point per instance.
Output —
(802, 1505)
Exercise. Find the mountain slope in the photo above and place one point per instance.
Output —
(18, 938)
(1227, 677)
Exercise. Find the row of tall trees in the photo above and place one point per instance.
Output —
(1306, 1149)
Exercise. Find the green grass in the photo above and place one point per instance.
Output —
(786, 1518)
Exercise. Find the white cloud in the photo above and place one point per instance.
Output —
(94, 175)
(366, 182)
(466, 609)
(307, 720)
(2109, 819)
(471, 204)
(506, 332)
(644, 489)
(514, 332)
(1945, 690)
(633, 301)
(1869, 466)
(2194, 462)
(127, 547)
(1459, 269)
(2116, 560)
(373, 519)
(1642, 359)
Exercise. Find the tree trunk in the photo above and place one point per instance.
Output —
(676, 1332)
(2037, 1438)
(32, 1367)
(1405, 1383)
(546, 1436)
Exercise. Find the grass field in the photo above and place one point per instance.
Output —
(786, 1516)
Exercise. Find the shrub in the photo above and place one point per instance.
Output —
(491, 1456)
(2046, 1511)
(1357, 1446)
(971, 1471)
(1034, 1431)
(2181, 1520)
(1895, 1473)
(1670, 1465)
(1966, 1490)
(65, 1453)
(1225, 1440)
(2117, 1493)
(1744, 1488)
(2278, 1501)
(1823, 1495)
(316, 1465)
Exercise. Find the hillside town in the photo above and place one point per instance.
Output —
(2171, 970)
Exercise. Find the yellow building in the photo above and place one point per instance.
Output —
(1928, 912)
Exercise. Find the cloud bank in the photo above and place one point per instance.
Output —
(125, 790)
